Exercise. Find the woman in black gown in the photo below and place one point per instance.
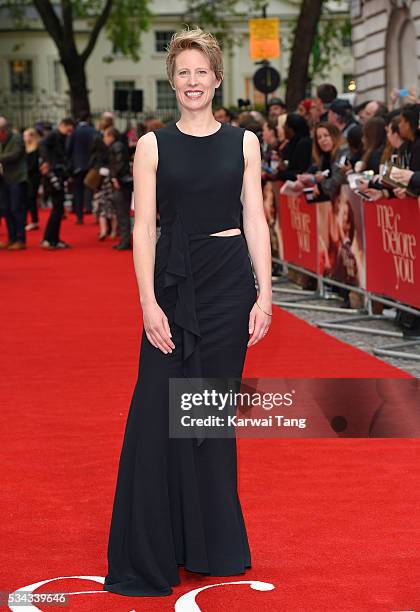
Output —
(176, 500)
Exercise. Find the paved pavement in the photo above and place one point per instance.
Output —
(361, 339)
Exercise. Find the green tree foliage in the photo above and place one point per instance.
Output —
(328, 46)
(122, 20)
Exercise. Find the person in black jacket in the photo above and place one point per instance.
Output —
(409, 152)
(296, 155)
(54, 167)
(79, 145)
(330, 163)
(122, 182)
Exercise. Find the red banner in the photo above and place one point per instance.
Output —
(374, 245)
(392, 229)
(299, 231)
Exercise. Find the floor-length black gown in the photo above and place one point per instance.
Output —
(176, 500)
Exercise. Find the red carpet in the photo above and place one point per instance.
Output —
(333, 523)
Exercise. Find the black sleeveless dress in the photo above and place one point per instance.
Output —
(176, 500)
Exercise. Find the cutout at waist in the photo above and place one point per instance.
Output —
(232, 232)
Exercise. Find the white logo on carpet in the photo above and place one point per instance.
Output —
(186, 603)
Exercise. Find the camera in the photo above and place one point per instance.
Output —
(308, 193)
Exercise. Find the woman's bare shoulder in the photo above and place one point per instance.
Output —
(251, 146)
(149, 141)
(147, 148)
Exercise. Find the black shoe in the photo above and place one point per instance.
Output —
(79, 222)
(122, 247)
(62, 245)
(276, 269)
(346, 303)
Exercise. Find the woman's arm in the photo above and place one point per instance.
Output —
(257, 236)
(144, 241)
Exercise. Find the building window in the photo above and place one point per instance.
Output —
(57, 76)
(162, 39)
(126, 85)
(165, 96)
(21, 77)
(346, 39)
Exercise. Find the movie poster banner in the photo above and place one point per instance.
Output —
(392, 230)
(341, 239)
(299, 231)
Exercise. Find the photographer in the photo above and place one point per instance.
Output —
(402, 128)
(328, 171)
(122, 183)
(54, 167)
(409, 151)
(374, 188)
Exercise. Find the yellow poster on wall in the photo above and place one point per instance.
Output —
(264, 38)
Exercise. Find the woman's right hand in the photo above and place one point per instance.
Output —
(157, 328)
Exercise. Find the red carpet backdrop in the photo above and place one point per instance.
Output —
(333, 523)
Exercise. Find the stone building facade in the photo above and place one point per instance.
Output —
(45, 91)
(386, 46)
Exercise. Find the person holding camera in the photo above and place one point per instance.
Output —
(13, 186)
(54, 167)
(122, 183)
(329, 165)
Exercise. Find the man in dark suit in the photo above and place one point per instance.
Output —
(79, 147)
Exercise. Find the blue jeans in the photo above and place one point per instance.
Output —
(14, 205)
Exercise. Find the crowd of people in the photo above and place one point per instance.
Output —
(313, 150)
(45, 164)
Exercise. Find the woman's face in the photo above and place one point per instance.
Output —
(28, 137)
(194, 80)
(404, 127)
(315, 112)
(268, 135)
(325, 142)
(281, 136)
(393, 137)
(108, 139)
(301, 110)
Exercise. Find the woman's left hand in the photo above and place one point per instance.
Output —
(259, 321)
(402, 175)
(400, 192)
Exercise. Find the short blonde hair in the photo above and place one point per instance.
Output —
(194, 39)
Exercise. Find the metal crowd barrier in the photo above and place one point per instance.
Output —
(357, 315)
